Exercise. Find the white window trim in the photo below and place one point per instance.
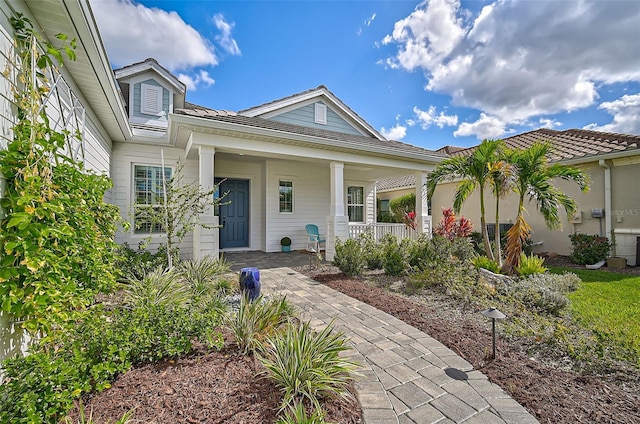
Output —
(293, 195)
(320, 113)
(145, 90)
(363, 204)
(133, 203)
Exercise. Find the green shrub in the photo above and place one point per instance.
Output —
(530, 265)
(307, 365)
(158, 287)
(402, 204)
(257, 319)
(486, 263)
(544, 293)
(589, 249)
(138, 263)
(203, 277)
(373, 253)
(349, 257)
(395, 256)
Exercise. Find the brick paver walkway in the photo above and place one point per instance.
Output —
(407, 376)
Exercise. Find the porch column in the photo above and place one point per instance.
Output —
(422, 204)
(370, 203)
(206, 240)
(337, 222)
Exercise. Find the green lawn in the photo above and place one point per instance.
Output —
(609, 305)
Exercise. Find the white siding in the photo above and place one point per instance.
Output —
(124, 157)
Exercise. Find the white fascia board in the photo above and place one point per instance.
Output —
(146, 66)
(317, 142)
(89, 39)
(296, 101)
(275, 150)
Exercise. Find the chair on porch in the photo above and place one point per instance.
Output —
(314, 240)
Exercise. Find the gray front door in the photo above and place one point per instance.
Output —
(234, 215)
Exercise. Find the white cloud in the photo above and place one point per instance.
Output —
(426, 118)
(485, 127)
(397, 132)
(225, 40)
(626, 115)
(548, 123)
(368, 21)
(520, 59)
(202, 78)
(150, 32)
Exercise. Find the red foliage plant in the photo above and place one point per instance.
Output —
(410, 221)
(451, 228)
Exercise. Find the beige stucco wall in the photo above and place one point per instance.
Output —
(625, 205)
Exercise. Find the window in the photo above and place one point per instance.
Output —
(355, 204)
(150, 99)
(320, 114)
(285, 189)
(384, 206)
(148, 193)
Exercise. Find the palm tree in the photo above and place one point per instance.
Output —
(501, 180)
(474, 171)
(534, 178)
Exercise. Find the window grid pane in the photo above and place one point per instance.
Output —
(148, 191)
(285, 189)
(355, 203)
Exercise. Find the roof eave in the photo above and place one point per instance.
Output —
(316, 142)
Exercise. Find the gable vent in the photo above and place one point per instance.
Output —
(151, 99)
(321, 114)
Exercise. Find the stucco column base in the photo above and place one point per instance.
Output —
(337, 227)
(206, 240)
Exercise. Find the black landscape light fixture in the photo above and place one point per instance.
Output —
(494, 314)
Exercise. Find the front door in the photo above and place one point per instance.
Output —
(234, 214)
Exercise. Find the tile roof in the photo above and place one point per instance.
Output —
(572, 143)
(191, 109)
(406, 181)
(567, 144)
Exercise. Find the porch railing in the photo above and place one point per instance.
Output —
(380, 229)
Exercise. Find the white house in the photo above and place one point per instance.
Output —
(305, 158)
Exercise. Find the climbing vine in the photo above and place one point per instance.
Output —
(57, 233)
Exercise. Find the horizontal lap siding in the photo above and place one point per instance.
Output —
(311, 193)
(305, 116)
(124, 157)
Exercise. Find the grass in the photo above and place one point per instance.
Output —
(608, 304)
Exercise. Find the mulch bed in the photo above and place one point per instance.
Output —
(204, 387)
(225, 387)
(551, 394)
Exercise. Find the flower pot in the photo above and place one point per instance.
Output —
(286, 249)
(616, 262)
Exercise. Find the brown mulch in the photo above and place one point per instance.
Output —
(225, 387)
(204, 387)
(551, 394)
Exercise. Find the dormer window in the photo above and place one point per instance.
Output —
(150, 99)
(321, 114)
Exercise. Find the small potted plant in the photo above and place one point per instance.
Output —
(285, 242)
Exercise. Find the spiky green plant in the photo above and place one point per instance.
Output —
(158, 288)
(296, 414)
(258, 319)
(486, 263)
(530, 265)
(307, 365)
(203, 277)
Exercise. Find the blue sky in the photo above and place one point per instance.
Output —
(431, 73)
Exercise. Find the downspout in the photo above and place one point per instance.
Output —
(607, 201)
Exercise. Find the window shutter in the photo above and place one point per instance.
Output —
(151, 99)
(321, 114)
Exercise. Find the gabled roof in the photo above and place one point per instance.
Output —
(286, 130)
(321, 92)
(568, 145)
(574, 144)
(151, 64)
